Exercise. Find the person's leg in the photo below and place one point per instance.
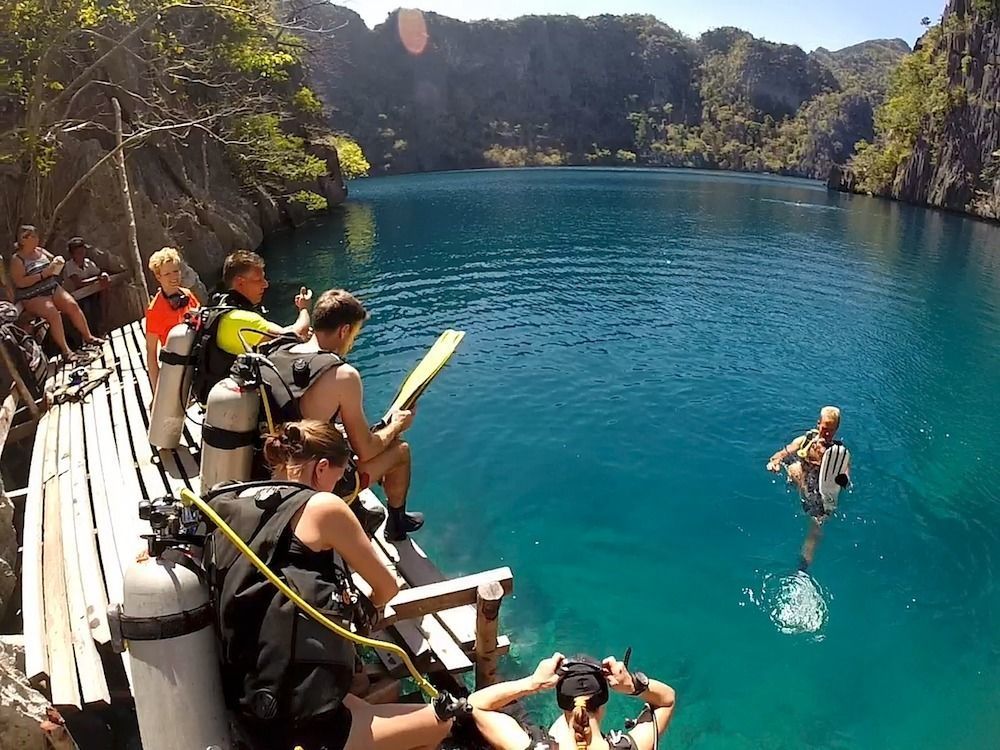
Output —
(392, 468)
(809, 545)
(69, 307)
(797, 475)
(43, 307)
(393, 726)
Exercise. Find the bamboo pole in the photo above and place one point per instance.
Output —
(133, 235)
(488, 599)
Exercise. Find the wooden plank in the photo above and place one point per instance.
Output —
(88, 663)
(119, 467)
(489, 596)
(90, 289)
(36, 662)
(417, 570)
(421, 600)
(178, 472)
(431, 646)
(129, 425)
(86, 543)
(111, 562)
(62, 677)
(188, 455)
(120, 491)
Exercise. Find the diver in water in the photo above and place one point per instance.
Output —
(582, 686)
(803, 460)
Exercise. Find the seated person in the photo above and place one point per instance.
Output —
(80, 272)
(167, 308)
(582, 686)
(802, 459)
(286, 676)
(34, 273)
(235, 331)
(321, 385)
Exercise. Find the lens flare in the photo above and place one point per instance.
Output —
(412, 30)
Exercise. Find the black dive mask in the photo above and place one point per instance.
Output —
(578, 677)
(177, 300)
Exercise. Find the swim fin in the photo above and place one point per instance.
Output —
(421, 376)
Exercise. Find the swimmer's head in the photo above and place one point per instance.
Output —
(829, 422)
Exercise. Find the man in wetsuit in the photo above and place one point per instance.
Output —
(802, 458)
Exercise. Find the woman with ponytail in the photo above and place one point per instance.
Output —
(286, 677)
(582, 686)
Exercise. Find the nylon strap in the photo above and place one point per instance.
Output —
(227, 440)
(166, 626)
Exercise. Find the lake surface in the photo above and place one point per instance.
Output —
(638, 343)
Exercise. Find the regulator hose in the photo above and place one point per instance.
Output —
(189, 499)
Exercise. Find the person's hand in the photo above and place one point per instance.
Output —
(546, 675)
(774, 465)
(304, 298)
(619, 678)
(402, 418)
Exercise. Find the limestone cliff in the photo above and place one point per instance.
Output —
(425, 92)
(954, 161)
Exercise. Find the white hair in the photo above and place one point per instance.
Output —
(830, 412)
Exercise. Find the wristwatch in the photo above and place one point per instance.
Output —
(641, 683)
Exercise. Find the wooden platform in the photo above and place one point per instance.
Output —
(92, 464)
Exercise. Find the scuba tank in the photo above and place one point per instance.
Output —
(166, 418)
(166, 622)
(231, 428)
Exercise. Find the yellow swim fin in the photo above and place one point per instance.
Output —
(428, 368)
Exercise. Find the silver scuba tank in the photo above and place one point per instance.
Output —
(166, 624)
(173, 387)
(229, 432)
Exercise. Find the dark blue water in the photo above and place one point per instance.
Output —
(638, 344)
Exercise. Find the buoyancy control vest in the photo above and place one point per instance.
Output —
(211, 363)
(293, 373)
(278, 663)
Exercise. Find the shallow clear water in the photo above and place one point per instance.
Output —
(638, 344)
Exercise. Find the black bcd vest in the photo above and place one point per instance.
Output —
(293, 373)
(277, 662)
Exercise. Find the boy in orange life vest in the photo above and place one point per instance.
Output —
(168, 307)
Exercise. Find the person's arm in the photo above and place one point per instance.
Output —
(340, 530)
(501, 731)
(301, 325)
(21, 279)
(366, 443)
(774, 463)
(658, 695)
(504, 693)
(152, 359)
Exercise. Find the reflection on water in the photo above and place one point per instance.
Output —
(359, 230)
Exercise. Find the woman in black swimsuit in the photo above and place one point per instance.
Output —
(287, 678)
(582, 686)
(35, 273)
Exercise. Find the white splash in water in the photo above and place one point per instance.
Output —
(795, 603)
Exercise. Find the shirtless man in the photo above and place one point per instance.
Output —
(803, 471)
(317, 383)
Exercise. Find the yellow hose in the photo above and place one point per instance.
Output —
(189, 498)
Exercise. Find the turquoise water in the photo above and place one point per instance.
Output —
(638, 344)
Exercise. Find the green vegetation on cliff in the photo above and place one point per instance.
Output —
(227, 72)
(550, 90)
(919, 99)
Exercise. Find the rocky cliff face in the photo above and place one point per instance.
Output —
(957, 166)
(424, 92)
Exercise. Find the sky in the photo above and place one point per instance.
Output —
(808, 23)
